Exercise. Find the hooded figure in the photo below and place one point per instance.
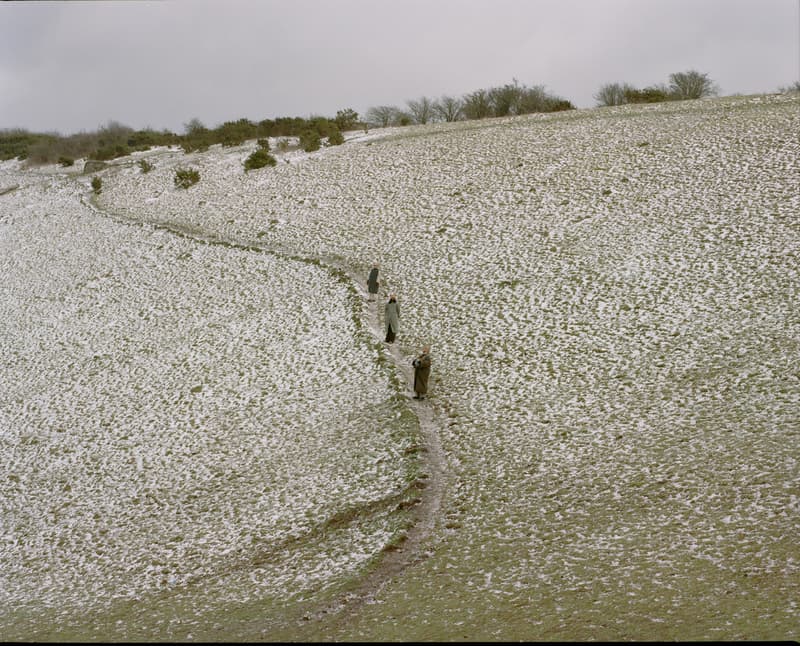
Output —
(372, 282)
(422, 370)
(392, 317)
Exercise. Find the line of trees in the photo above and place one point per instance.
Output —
(503, 101)
(117, 140)
(682, 86)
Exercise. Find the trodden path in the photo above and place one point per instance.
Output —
(427, 508)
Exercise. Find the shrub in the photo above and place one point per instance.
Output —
(186, 177)
(346, 119)
(651, 94)
(335, 138)
(321, 125)
(145, 165)
(559, 105)
(197, 144)
(310, 141)
(97, 185)
(263, 144)
(107, 153)
(259, 159)
(66, 161)
(16, 143)
(477, 105)
(283, 144)
(197, 138)
(235, 133)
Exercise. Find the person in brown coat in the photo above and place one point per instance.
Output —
(422, 370)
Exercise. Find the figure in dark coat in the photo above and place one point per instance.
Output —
(392, 317)
(372, 282)
(422, 370)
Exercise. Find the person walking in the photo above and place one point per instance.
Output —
(422, 370)
(391, 315)
(372, 282)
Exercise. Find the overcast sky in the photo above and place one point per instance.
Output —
(75, 66)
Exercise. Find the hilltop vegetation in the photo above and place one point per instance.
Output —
(512, 99)
(117, 140)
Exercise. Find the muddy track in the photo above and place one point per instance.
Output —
(425, 508)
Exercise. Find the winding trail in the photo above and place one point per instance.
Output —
(425, 508)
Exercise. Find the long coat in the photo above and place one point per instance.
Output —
(372, 281)
(392, 316)
(422, 370)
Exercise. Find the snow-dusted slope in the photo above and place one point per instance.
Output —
(611, 299)
(173, 414)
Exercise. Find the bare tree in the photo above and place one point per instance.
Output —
(113, 136)
(534, 99)
(505, 100)
(794, 87)
(194, 127)
(421, 110)
(611, 94)
(381, 115)
(691, 85)
(115, 128)
(449, 108)
(477, 105)
(402, 118)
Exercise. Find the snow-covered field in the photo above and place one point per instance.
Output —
(611, 297)
(174, 414)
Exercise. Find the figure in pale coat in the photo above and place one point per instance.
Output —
(391, 314)
(422, 371)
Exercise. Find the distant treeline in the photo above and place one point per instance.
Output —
(502, 101)
(682, 86)
(117, 140)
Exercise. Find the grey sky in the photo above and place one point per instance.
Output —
(73, 66)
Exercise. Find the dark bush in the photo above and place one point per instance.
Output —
(145, 165)
(66, 161)
(16, 143)
(310, 141)
(197, 138)
(235, 133)
(651, 94)
(186, 177)
(147, 138)
(263, 144)
(346, 119)
(97, 185)
(259, 159)
(335, 138)
(559, 105)
(321, 125)
(196, 143)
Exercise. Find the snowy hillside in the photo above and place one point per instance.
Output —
(611, 297)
